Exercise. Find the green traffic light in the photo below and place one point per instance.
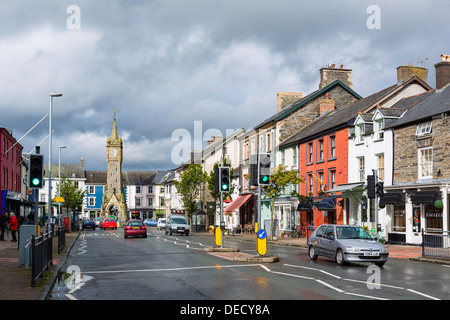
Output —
(35, 181)
(265, 179)
(224, 187)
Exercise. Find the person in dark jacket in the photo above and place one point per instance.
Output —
(4, 219)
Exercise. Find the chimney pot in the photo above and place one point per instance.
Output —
(285, 99)
(443, 71)
(330, 74)
(406, 72)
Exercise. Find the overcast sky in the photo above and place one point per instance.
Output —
(164, 64)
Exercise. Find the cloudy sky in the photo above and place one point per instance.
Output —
(163, 64)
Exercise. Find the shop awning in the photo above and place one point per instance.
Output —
(425, 197)
(237, 203)
(346, 187)
(328, 203)
(306, 205)
(392, 198)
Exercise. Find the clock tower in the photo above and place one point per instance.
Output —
(114, 202)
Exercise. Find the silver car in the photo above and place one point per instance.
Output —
(346, 244)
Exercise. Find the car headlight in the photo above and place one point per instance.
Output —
(351, 249)
(384, 250)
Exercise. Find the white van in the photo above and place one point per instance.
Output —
(176, 223)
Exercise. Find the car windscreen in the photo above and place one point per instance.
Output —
(352, 233)
(110, 220)
(163, 220)
(135, 223)
(179, 220)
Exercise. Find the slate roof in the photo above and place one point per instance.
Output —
(422, 107)
(343, 117)
(298, 104)
(337, 118)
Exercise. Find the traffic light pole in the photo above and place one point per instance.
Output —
(36, 196)
(375, 174)
(221, 219)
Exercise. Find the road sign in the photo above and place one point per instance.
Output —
(261, 242)
(59, 199)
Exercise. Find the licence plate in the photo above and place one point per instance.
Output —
(371, 254)
(136, 228)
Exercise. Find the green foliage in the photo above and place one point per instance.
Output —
(73, 197)
(190, 185)
(280, 179)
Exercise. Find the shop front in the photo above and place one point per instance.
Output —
(414, 210)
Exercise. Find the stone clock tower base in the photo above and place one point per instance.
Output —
(114, 202)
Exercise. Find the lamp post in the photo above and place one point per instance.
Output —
(52, 95)
(59, 180)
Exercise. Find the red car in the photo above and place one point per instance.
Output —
(109, 223)
(135, 228)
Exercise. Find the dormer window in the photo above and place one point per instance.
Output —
(378, 129)
(423, 129)
(360, 132)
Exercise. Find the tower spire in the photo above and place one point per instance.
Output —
(114, 134)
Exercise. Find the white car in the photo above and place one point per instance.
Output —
(161, 224)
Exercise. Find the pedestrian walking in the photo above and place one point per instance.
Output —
(3, 225)
(13, 226)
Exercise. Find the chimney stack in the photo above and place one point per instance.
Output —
(331, 74)
(406, 72)
(443, 71)
(287, 98)
(326, 104)
(82, 162)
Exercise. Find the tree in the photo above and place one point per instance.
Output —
(190, 185)
(73, 197)
(278, 181)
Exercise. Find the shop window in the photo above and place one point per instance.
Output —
(399, 218)
(433, 218)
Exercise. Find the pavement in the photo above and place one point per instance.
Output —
(15, 281)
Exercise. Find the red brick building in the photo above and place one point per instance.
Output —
(10, 171)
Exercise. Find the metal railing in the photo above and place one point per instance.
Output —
(435, 244)
(42, 249)
(61, 233)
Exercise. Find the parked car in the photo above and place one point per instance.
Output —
(135, 228)
(346, 244)
(88, 224)
(150, 222)
(161, 224)
(109, 223)
(98, 222)
(177, 224)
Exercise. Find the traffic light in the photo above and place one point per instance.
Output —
(225, 179)
(36, 171)
(264, 169)
(254, 170)
(379, 189)
(371, 187)
(217, 179)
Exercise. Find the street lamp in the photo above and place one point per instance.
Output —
(59, 180)
(52, 95)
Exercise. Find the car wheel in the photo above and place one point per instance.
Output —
(380, 264)
(165, 231)
(312, 253)
(187, 233)
(340, 257)
(145, 235)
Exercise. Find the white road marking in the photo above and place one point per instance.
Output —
(423, 294)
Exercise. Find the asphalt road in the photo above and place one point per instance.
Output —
(103, 265)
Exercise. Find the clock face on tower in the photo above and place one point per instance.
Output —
(113, 152)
